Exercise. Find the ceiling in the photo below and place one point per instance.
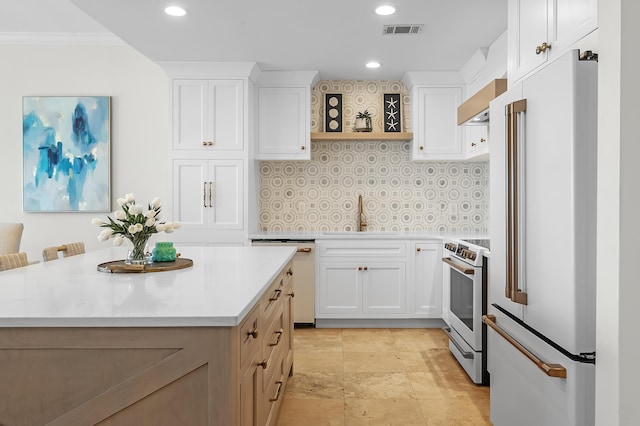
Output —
(335, 37)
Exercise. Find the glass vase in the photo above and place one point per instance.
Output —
(139, 253)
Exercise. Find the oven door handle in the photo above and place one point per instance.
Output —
(552, 370)
(465, 354)
(463, 269)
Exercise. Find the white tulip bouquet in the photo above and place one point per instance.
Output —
(134, 224)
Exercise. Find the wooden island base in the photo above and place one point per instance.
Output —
(151, 375)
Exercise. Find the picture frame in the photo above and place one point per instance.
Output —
(66, 143)
(392, 116)
(333, 112)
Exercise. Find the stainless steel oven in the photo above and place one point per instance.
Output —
(465, 272)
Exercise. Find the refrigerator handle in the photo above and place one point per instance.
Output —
(552, 370)
(514, 188)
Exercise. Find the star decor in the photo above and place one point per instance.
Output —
(392, 113)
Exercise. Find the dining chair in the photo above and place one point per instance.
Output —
(13, 260)
(10, 237)
(70, 249)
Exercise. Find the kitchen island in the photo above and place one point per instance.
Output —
(208, 345)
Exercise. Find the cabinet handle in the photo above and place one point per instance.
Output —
(204, 194)
(210, 194)
(366, 268)
(359, 268)
(289, 272)
(542, 48)
(418, 249)
(253, 333)
(279, 333)
(292, 294)
(482, 140)
(276, 295)
(263, 364)
(279, 382)
(304, 250)
(473, 144)
(421, 148)
(303, 147)
(204, 143)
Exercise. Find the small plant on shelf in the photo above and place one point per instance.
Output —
(363, 121)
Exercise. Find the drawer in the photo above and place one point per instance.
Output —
(250, 335)
(272, 299)
(274, 346)
(274, 392)
(367, 249)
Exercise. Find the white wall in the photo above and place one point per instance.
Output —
(617, 346)
(140, 130)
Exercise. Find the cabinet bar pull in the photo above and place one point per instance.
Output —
(210, 194)
(276, 295)
(279, 382)
(465, 354)
(542, 48)
(552, 370)
(253, 333)
(263, 364)
(464, 270)
(204, 193)
(279, 333)
(304, 250)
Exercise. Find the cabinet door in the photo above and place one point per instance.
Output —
(208, 114)
(208, 194)
(572, 20)
(283, 123)
(477, 141)
(428, 279)
(437, 135)
(339, 288)
(527, 29)
(384, 288)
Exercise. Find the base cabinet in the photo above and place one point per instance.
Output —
(428, 280)
(365, 279)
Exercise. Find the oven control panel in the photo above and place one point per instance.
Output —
(466, 252)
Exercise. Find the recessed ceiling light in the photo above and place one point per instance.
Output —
(385, 10)
(175, 11)
(373, 64)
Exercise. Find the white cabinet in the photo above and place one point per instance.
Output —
(541, 30)
(477, 141)
(284, 123)
(427, 279)
(207, 198)
(361, 279)
(436, 134)
(208, 114)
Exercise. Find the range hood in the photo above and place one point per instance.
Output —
(475, 110)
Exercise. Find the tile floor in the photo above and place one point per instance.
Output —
(399, 377)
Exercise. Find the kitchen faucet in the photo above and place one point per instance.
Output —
(361, 218)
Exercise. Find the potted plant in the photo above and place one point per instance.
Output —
(363, 122)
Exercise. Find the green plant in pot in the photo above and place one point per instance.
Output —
(363, 122)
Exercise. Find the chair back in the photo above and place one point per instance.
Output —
(13, 260)
(10, 237)
(70, 249)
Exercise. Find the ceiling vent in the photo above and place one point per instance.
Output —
(402, 29)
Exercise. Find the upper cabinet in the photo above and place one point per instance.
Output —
(541, 30)
(208, 114)
(284, 115)
(436, 134)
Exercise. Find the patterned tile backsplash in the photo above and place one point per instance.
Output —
(398, 194)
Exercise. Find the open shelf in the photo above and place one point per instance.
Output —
(361, 136)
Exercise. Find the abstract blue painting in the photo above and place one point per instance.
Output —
(66, 153)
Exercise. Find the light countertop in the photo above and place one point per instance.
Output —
(219, 289)
(337, 235)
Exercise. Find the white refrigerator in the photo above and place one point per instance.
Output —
(541, 315)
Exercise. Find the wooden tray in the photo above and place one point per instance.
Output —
(120, 266)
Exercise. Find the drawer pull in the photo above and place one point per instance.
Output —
(253, 333)
(292, 294)
(279, 333)
(276, 295)
(263, 364)
(279, 382)
(304, 250)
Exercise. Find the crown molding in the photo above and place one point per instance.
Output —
(61, 39)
